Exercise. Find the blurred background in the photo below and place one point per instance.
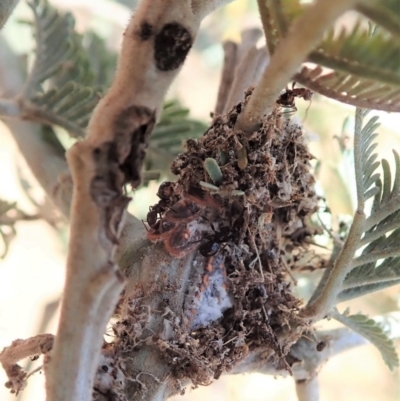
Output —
(32, 273)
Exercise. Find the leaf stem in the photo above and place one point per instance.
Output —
(344, 263)
(292, 50)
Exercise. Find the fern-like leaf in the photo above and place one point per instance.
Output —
(385, 213)
(358, 53)
(59, 89)
(382, 229)
(351, 89)
(368, 157)
(374, 333)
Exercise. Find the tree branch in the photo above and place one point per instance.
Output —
(20, 349)
(292, 50)
(307, 390)
(154, 47)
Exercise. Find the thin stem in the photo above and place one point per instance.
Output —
(292, 50)
(269, 25)
(344, 263)
(35, 113)
(228, 72)
(307, 390)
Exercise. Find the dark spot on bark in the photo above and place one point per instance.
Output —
(133, 127)
(146, 30)
(106, 188)
(171, 46)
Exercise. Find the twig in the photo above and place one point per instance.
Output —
(250, 63)
(292, 50)
(307, 390)
(228, 70)
(269, 25)
(20, 349)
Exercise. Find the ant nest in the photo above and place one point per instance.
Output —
(243, 204)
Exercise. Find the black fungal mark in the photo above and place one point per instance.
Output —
(146, 30)
(171, 46)
(133, 127)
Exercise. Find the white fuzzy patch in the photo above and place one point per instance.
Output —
(213, 301)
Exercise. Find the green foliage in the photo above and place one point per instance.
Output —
(367, 156)
(365, 68)
(374, 333)
(378, 265)
(60, 82)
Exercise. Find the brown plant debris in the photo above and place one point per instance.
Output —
(239, 295)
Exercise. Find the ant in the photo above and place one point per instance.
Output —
(286, 99)
(213, 242)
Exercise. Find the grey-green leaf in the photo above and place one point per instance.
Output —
(374, 333)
